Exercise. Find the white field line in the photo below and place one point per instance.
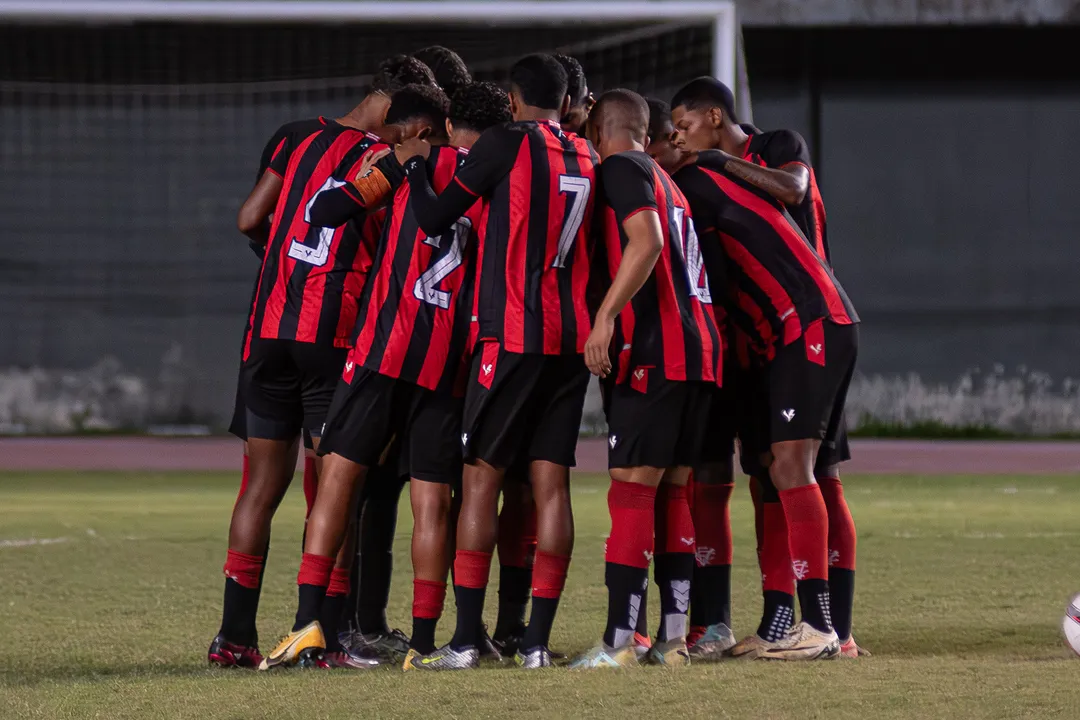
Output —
(30, 542)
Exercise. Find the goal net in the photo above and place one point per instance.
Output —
(131, 134)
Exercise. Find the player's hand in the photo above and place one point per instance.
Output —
(596, 347)
(369, 162)
(411, 148)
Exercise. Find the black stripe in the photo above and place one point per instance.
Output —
(536, 242)
(567, 301)
(492, 281)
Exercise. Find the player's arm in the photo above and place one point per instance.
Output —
(489, 160)
(788, 176)
(628, 189)
(375, 182)
(253, 218)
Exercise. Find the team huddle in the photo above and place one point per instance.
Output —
(442, 269)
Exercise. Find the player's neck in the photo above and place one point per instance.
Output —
(529, 113)
(733, 140)
(464, 138)
(620, 145)
(368, 115)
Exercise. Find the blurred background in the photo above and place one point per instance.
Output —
(942, 132)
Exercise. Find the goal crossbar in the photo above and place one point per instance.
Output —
(720, 13)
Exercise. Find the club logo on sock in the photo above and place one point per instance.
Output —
(788, 414)
(704, 555)
(834, 557)
(648, 556)
(687, 541)
(801, 568)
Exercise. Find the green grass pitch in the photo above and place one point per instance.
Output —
(962, 583)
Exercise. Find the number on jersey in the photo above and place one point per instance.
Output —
(579, 189)
(688, 245)
(319, 254)
(426, 287)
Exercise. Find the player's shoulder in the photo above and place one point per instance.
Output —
(631, 162)
(782, 141)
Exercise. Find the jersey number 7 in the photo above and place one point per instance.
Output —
(579, 189)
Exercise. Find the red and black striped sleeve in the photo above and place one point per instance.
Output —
(628, 184)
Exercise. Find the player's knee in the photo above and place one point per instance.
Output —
(639, 475)
(791, 465)
(430, 502)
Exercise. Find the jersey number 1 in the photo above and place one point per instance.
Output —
(426, 287)
(690, 248)
(579, 189)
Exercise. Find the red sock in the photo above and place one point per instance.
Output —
(549, 575)
(471, 569)
(674, 526)
(711, 511)
(428, 599)
(690, 493)
(311, 483)
(841, 524)
(339, 582)
(775, 556)
(246, 570)
(632, 522)
(243, 480)
(517, 536)
(315, 570)
(808, 531)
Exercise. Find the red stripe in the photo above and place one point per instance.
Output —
(280, 145)
(807, 258)
(783, 307)
(550, 298)
(818, 208)
(397, 343)
(579, 279)
(671, 326)
(516, 251)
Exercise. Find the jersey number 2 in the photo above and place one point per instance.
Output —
(426, 287)
(579, 189)
(319, 254)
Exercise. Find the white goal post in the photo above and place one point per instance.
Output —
(720, 13)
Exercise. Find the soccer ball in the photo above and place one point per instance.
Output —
(1070, 626)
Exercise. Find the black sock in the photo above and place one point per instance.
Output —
(710, 596)
(778, 615)
(673, 574)
(333, 607)
(541, 620)
(842, 600)
(514, 586)
(423, 635)
(378, 523)
(310, 607)
(642, 628)
(626, 586)
(470, 613)
(238, 613)
(814, 603)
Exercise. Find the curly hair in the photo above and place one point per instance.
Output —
(398, 71)
(418, 101)
(576, 87)
(446, 65)
(479, 105)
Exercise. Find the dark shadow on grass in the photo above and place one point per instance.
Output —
(83, 673)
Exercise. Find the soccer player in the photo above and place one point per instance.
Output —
(399, 380)
(250, 526)
(786, 300)
(656, 348)
(450, 71)
(577, 89)
(527, 383)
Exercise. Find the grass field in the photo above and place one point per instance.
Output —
(962, 583)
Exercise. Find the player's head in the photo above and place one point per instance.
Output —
(538, 88)
(447, 66)
(702, 111)
(417, 111)
(473, 109)
(577, 89)
(618, 122)
(398, 71)
(662, 146)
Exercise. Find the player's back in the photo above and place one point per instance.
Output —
(668, 324)
(535, 244)
(312, 276)
(289, 136)
(415, 311)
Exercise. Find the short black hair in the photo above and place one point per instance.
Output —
(541, 80)
(398, 71)
(449, 69)
(479, 105)
(417, 101)
(659, 113)
(706, 92)
(623, 109)
(576, 87)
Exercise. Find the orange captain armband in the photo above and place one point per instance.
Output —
(372, 186)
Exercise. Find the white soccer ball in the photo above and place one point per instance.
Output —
(1070, 625)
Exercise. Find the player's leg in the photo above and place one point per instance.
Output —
(517, 550)
(807, 383)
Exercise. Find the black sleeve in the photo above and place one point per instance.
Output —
(271, 150)
(259, 250)
(489, 160)
(335, 207)
(628, 186)
(784, 148)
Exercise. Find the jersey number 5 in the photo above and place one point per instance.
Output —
(690, 248)
(426, 287)
(319, 254)
(579, 189)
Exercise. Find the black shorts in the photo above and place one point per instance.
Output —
(751, 401)
(288, 385)
(808, 382)
(238, 424)
(373, 410)
(655, 422)
(523, 407)
(720, 423)
(833, 453)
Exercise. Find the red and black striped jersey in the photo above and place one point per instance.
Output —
(312, 276)
(289, 135)
(778, 148)
(414, 314)
(776, 283)
(538, 186)
(668, 324)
